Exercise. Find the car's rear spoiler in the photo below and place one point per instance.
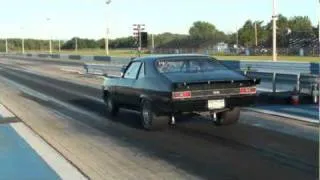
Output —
(254, 81)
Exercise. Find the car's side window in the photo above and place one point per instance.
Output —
(141, 72)
(132, 71)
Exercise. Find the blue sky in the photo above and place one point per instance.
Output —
(88, 18)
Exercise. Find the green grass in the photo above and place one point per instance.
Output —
(131, 53)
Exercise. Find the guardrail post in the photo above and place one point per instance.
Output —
(314, 95)
(86, 68)
(274, 87)
(298, 82)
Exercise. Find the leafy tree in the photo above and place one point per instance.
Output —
(246, 34)
(300, 24)
(169, 40)
(124, 42)
(202, 30)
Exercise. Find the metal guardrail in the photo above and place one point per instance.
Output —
(280, 67)
(101, 69)
(309, 84)
(297, 80)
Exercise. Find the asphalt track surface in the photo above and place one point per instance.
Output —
(241, 151)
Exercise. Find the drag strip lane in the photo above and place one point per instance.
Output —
(215, 148)
(49, 61)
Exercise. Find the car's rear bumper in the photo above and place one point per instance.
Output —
(201, 105)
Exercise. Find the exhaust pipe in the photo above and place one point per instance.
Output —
(173, 120)
(214, 116)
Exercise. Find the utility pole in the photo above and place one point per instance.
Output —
(107, 42)
(59, 45)
(76, 45)
(152, 42)
(22, 41)
(319, 35)
(139, 31)
(50, 46)
(7, 46)
(319, 27)
(237, 38)
(22, 45)
(107, 33)
(50, 43)
(274, 33)
(256, 33)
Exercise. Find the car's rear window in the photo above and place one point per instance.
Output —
(188, 65)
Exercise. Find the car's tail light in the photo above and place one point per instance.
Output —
(181, 95)
(248, 90)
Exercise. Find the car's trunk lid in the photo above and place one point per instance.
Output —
(216, 83)
(219, 75)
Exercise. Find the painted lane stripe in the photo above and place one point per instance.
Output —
(53, 86)
(284, 115)
(43, 97)
(5, 113)
(60, 165)
(302, 111)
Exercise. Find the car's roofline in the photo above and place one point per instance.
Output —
(163, 56)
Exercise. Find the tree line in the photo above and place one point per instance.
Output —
(201, 34)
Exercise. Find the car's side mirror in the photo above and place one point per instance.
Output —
(123, 69)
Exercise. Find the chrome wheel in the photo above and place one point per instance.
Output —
(146, 115)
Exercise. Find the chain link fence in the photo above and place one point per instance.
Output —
(241, 51)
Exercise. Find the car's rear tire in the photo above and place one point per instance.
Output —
(228, 117)
(149, 120)
(112, 107)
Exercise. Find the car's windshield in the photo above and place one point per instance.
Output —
(189, 65)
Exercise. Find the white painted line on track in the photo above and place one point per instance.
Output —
(63, 79)
(57, 162)
(284, 115)
(72, 70)
(53, 86)
(5, 113)
(304, 111)
(52, 99)
(26, 90)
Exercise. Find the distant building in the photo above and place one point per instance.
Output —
(221, 47)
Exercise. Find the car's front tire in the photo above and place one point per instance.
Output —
(228, 117)
(112, 107)
(149, 120)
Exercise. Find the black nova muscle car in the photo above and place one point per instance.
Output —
(163, 87)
